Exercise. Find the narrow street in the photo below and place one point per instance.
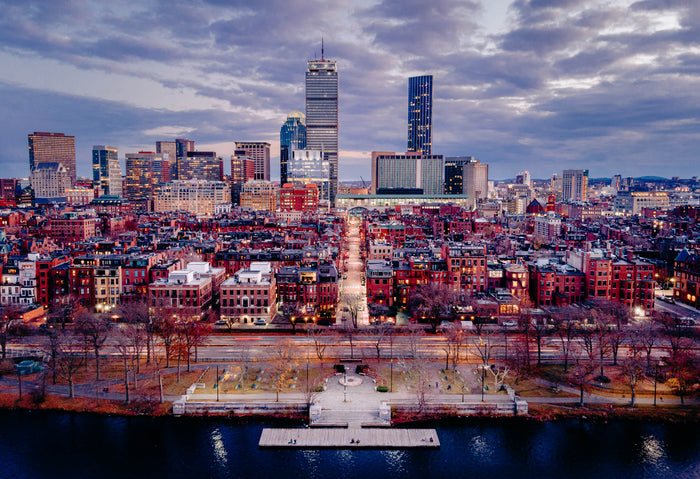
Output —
(352, 279)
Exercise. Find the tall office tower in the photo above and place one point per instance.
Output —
(259, 152)
(310, 167)
(200, 165)
(51, 147)
(407, 173)
(454, 174)
(420, 114)
(260, 195)
(616, 182)
(169, 148)
(292, 137)
(145, 171)
(182, 147)
(106, 172)
(242, 171)
(322, 114)
(575, 185)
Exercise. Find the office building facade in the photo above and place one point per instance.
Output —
(322, 114)
(420, 114)
(311, 167)
(242, 171)
(454, 174)
(292, 137)
(145, 171)
(50, 180)
(259, 152)
(198, 197)
(52, 147)
(575, 185)
(200, 165)
(170, 148)
(260, 195)
(407, 173)
(106, 171)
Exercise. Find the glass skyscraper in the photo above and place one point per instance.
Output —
(420, 114)
(322, 114)
(310, 166)
(106, 172)
(292, 137)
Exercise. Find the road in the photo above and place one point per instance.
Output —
(352, 285)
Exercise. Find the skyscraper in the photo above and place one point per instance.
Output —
(51, 147)
(292, 137)
(106, 172)
(322, 114)
(454, 174)
(170, 148)
(575, 185)
(182, 147)
(420, 114)
(242, 171)
(145, 171)
(259, 152)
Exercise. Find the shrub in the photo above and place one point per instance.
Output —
(382, 389)
(318, 389)
(361, 369)
(339, 368)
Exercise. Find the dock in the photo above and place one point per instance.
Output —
(350, 438)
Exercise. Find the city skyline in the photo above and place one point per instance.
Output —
(603, 86)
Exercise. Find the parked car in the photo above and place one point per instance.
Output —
(260, 322)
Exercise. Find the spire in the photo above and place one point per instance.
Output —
(322, 52)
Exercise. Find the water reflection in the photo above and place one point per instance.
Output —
(396, 460)
(219, 450)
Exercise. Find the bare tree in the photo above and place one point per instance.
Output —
(122, 343)
(632, 373)
(454, 335)
(415, 335)
(321, 338)
(379, 335)
(351, 303)
(499, 375)
(540, 329)
(140, 312)
(420, 374)
(190, 335)
(289, 311)
(9, 319)
(580, 371)
(282, 362)
(166, 331)
(95, 329)
(432, 301)
(349, 334)
(565, 322)
(67, 363)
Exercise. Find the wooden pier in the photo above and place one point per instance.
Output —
(351, 438)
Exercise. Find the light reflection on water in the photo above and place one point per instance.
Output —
(396, 460)
(219, 449)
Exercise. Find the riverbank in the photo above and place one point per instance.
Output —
(537, 412)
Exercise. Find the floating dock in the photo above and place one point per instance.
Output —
(353, 438)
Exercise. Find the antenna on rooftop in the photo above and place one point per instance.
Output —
(322, 51)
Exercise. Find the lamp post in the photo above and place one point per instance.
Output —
(217, 383)
(345, 386)
(483, 373)
(391, 364)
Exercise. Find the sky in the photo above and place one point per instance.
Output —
(612, 86)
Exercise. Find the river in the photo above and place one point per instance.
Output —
(41, 445)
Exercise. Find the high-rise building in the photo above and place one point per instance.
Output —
(311, 167)
(407, 173)
(50, 179)
(575, 185)
(454, 174)
(182, 147)
(476, 181)
(523, 178)
(292, 137)
(322, 114)
(200, 165)
(106, 172)
(144, 172)
(8, 188)
(259, 152)
(420, 114)
(465, 175)
(242, 171)
(170, 148)
(52, 147)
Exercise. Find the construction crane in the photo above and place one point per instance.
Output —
(364, 185)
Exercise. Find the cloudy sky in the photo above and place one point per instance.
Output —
(538, 85)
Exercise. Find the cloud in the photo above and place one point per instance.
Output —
(564, 83)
